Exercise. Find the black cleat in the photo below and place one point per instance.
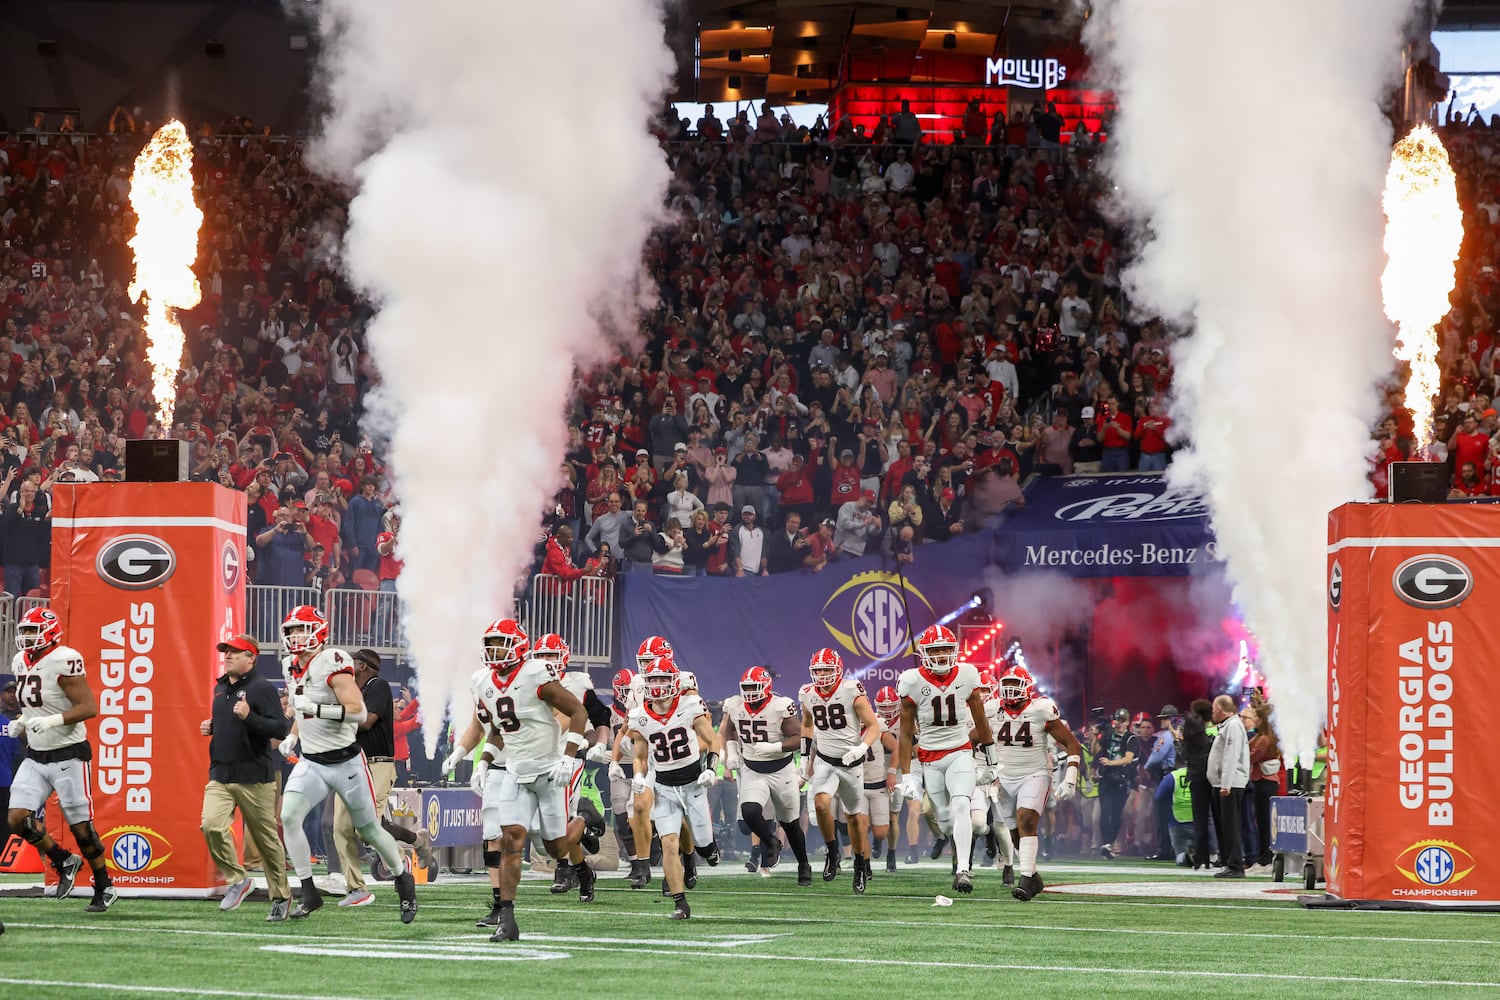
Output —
(861, 877)
(406, 889)
(689, 871)
(490, 919)
(831, 867)
(585, 882)
(309, 901)
(937, 848)
(67, 873)
(564, 879)
(770, 853)
(1028, 887)
(1008, 875)
(681, 911)
(103, 899)
(963, 883)
(506, 929)
(640, 873)
(804, 875)
(911, 858)
(712, 855)
(750, 865)
(890, 860)
(279, 910)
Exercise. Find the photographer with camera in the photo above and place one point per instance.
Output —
(1119, 749)
(1114, 437)
(283, 547)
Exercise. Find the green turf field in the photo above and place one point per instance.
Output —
(762, 938)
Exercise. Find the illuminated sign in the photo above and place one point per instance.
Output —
(1034, 74)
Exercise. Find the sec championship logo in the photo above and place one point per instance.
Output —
(134, 849)
(1435, 863)
(874, 607)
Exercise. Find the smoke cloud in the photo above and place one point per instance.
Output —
(1251, 149)
(500, 235)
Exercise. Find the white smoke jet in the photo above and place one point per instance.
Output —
(500, 236)
(1250, 145)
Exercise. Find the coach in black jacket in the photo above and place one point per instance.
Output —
(242, 773)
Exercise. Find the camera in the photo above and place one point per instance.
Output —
(1098, 713)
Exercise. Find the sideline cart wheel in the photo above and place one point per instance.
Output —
(1278, 868)
(1309, 876)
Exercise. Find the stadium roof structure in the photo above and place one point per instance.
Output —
(795, 51)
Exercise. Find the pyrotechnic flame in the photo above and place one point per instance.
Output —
(165, 245)
(1424, 230)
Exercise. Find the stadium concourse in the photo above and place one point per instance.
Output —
(878, 339)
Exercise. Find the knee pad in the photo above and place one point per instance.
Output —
(32, 832)
(88, 841)
(492, 859)
(752, 812)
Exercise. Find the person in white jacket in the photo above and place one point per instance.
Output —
(681, 502)
(1229, 773)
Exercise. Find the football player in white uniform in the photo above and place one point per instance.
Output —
(888, 708)
(516, 705)
(553, 650)
(53, 690)
(1025, 777)
(838, 729)
(880, 782)
(327, 708)
(623, 684)
(650, 650)
(672, 739)
(765, 728)
(985, 795)
(939, 699)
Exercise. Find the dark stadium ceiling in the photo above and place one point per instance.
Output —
(791, 50)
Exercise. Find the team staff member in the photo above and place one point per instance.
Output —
(242, 773)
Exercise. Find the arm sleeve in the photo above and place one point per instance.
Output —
(596, 709)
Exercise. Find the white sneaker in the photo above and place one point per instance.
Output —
(359, 897)
(334, 883)
(236, 894)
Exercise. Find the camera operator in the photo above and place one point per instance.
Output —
(1118, 751)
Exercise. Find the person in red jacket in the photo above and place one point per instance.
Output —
(557, 565)
(1114, 435)
(408, 720)
(796, 488)
(1151, 434)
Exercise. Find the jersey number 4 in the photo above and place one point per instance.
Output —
(669, 746)
(830, 716)
(1020, 738)
(29, 692)
(505, 718)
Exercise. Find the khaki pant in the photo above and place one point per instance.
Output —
(257, 806)
(345, 839)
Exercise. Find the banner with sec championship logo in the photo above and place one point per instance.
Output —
(1412, 629)
(148, 578)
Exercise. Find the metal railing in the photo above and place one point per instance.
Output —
(581, 611)
(266, 607)
(365, 619)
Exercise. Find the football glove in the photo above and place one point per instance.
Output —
(854, 754)
(563, 771)
(1068, 786)
(766, 747)
(983, 773)
(14, 728)
(616, 772)
(910, 787)
(638, 785)
(305, 706)
(707, 779)
(43, 723)
(476, 780)
(288, 747)
(452, 760)
(599, 753)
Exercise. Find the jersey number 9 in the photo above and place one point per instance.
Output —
(505, 718)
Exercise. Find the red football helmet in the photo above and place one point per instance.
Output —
(755, 685)
(888, 704)
(40, 628)
(304, 630)
(553, 650)
(827, 669)
(662, 680)
(505, 644)
(1017, 688)
(938, 648)
(987, 683)
(623, 680)
(653, 647)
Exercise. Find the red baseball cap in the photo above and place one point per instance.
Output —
(869, 495)
(239, 644)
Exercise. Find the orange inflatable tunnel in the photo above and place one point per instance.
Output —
(148, 578)
(1413, 596)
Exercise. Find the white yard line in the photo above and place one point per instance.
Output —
(191, 991)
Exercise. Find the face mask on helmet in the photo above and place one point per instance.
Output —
(826, 669)
(1014, 690)
(939, 659)
(34, 635)
(755, 686)
(622, 681)
(661, 685)
(887, 705)
(500, 650)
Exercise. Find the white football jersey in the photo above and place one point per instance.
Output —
(875, 758)
(511, 707)
(1021, 739)
(315, 682)
(672, 745)
(759, 725)
(943, 717)
(836, 726)
(40, 693)
(578, 684)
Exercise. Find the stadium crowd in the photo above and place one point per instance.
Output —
(859, 347)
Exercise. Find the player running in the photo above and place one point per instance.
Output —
(838, 729)
(1023, 770)
(327, 709)
(53, 690)
(765, 728)
(671, 735)
(620, 773)
(553, 650)
(650, 650)
(516, 704)
(939, 699)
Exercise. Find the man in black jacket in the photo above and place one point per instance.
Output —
(1198, 732)
(242, 770)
